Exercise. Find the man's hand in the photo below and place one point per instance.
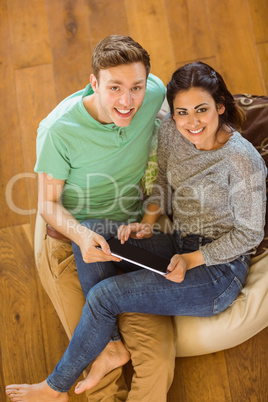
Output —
(88, 246)
(177, 268)
(135, 231)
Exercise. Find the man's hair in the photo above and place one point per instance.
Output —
(115, 50)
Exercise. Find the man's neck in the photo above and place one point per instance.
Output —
(89, 103)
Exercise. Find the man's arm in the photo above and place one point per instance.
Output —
(52, 210)
(54, 213)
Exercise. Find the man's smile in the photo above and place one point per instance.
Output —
(124, 112)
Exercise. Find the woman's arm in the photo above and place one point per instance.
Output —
(143, 229)
(247, 197)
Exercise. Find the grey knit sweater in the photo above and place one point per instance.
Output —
(220, 194)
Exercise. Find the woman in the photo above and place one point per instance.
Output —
(215, 181)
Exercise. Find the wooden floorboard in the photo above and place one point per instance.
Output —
(177, 391)
(13, 193)
(190, 32)
(22, 346)
(263, 57)
(230, 27)
(45, 55)
(206, 376)
(28, 33)
(36, 97)
(100, 22)
(258, 16)
(70, 43)
(248, 363)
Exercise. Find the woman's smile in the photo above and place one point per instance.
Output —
(196, 131)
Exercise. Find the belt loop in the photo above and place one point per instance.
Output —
(180, 241)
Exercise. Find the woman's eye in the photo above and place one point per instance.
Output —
(201, 110)
(182, 113)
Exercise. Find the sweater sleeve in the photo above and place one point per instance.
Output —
(247, 198)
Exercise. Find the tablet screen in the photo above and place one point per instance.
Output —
(139, 256)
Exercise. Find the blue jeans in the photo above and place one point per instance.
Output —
(205, 291)
(93, 273)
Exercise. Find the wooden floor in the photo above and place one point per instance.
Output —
(45, 52)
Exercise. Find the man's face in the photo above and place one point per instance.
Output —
(119, 93)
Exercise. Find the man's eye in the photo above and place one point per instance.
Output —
(136, 89)
(114, 88)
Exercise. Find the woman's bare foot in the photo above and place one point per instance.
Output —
(114, 355)
(35, 393)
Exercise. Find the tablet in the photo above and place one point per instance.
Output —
(138, 256)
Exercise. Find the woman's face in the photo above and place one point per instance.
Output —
(197, 117)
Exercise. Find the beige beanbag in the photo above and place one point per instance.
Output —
(247, 316)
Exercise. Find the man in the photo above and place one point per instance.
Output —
(92, 151)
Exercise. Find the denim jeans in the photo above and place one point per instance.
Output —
(204, 292)
(91, 274)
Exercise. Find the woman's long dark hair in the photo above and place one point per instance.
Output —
(201, 75)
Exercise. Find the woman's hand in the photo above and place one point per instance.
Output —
(177, 268)
(180, 263)
(135, 231)
(88, 244)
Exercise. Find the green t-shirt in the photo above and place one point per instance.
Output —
(102, 165)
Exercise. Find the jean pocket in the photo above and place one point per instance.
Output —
(227, 296)
(240, 268)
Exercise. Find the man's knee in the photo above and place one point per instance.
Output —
(149, 338)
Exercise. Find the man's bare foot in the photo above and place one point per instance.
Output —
(114, 355)
(34, 393)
